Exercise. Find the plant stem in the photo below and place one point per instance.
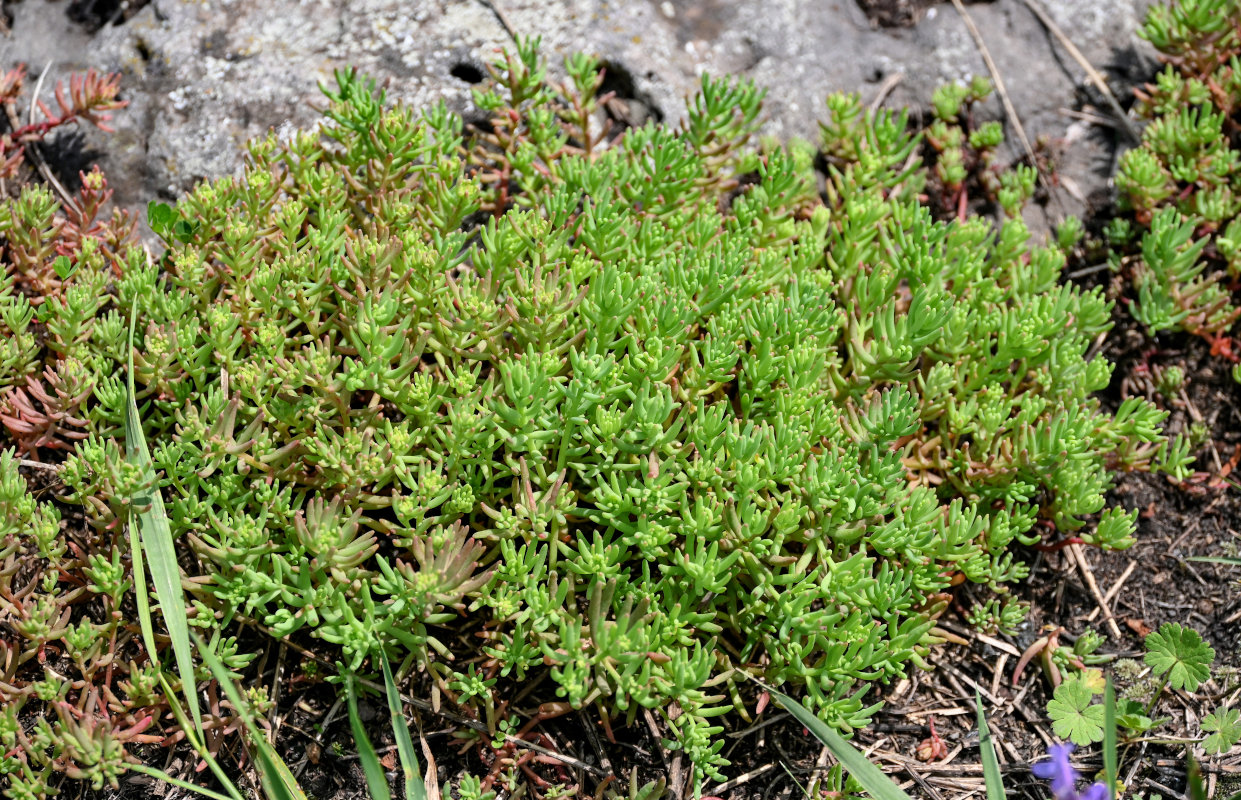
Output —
(1155, 697)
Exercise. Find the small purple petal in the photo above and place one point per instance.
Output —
(1044, 769)
(1096, 791)
(1059, 771)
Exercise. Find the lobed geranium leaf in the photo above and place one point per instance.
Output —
(1181, 655)
(1073, 716)
(1224, 725)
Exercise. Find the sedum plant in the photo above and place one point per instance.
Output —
(1182, 225)
(76, 688)
(649, 415)
(45, 237)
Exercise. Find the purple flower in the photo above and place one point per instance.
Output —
(1063, 777)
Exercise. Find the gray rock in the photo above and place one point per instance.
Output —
(205, 75)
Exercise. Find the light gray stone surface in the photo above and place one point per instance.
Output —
(205, 75)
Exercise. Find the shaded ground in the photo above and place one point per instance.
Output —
(899, 13)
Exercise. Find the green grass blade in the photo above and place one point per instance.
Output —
(159, 774)
(276, 777)
(876, 784)
(196, 742)
(986, 747)
(414, 787)
(140, 590)
(1110, 767)
(1195, 785)
(1226, 560)
(805, 791)
(376, 781)
(157, 545)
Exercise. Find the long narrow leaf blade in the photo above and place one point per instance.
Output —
(376, 781)
(157, 545)
(990, 762)
(275, 775)
(1195, 786)
(192, 738)
(414, 787)
(159, 774)
(140, 589)
(1110, 767)
(876, 784)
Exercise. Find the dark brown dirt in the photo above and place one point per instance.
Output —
(899, 13)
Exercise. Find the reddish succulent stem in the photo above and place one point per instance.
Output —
(37, 130)
(1056, 547)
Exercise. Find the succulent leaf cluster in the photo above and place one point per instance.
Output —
(1179, 185)
(966, 168)
(649, 413)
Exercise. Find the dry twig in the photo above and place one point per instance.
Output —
(885, 88)
(1113, 591)
(1086, 116)
(1075, 551)
(39, 466)
(1093, 74)
(501, 18)
(1009, 110)
(742, 779)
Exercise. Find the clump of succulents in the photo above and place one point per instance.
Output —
(966, 172)
(76, 685)
(1181, 233)
(649, 414)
